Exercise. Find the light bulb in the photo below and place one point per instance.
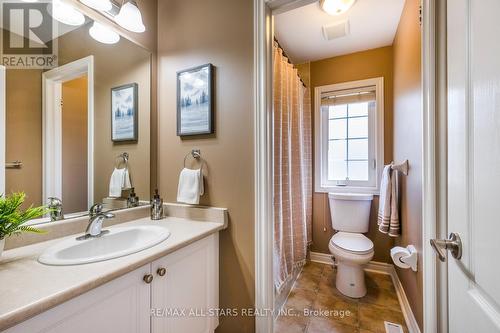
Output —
(66, 14)
(102, 5)
(336, 7)
(103, 34)
(130, 17)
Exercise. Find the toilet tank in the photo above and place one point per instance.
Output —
(350, 212)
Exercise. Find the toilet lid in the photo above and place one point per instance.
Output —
(352, 242)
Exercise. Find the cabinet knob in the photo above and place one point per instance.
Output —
(148, 278)
(161, 271)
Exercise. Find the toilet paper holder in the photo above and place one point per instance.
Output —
(405, 257)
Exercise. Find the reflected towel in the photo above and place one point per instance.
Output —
(388, 216)
(120, 180)
(190, 186)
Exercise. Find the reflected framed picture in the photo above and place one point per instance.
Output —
(124, 111)
(195, 91)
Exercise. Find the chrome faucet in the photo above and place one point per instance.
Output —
(55, 207)
(96, 218)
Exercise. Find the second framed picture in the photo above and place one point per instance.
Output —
(124, 126)
(195, 91)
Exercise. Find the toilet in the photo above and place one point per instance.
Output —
(351, 249)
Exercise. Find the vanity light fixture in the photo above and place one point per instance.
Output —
(66, 13)
(130, 17)
(103, 34)
(336, 7)
(102, 5)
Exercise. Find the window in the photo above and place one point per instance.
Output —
(349, 142)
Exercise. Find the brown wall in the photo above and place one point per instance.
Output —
(351, 67)
(24, 116)
(408, 143)
(112, 69)
(220, 32)
(74, 145)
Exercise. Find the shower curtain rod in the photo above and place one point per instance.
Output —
(288, 58)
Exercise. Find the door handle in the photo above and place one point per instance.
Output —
(452, 244)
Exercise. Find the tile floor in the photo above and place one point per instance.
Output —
(316, 306)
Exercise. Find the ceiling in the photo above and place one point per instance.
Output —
(372, 24)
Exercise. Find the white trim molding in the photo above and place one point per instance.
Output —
(52, 125)
(429, 165)
(263, 149)
(322, 258)
(376, 150)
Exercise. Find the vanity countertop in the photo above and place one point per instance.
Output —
(28, 287)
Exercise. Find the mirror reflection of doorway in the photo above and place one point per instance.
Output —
(68, 114)
(74, 144)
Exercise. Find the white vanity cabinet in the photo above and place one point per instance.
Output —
(170, 295)
(183, 297)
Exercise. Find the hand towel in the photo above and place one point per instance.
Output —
(190, 186)
(394, 230)
(120, 180)
(388, 216)
(384, 204)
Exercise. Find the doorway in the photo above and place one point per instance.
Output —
(265, 19)
(68, 129)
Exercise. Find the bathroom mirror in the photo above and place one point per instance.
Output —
(79, 131)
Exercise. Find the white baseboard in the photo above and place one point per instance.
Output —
(322, 258)
(382, 268)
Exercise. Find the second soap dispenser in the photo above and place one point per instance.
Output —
(156, 207)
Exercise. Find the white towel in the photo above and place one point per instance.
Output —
(120, 180)
(388, 216)
(190, 186)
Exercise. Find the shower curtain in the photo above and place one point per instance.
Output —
(292, 170)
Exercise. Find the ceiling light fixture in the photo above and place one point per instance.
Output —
(102, 5)
(130, 17)
(336, 7)
(66, 13)
(103, 34)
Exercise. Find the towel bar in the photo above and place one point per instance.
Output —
(402, 167)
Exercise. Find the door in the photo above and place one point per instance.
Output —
(474, 164)
(183, 297)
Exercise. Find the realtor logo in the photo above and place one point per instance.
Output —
(28, 32)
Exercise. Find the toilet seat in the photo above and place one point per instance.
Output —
(352, 243)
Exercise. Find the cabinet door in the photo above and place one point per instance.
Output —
(122, 305)
(183, 298)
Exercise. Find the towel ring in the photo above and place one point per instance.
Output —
(196, 154)
(122, 158)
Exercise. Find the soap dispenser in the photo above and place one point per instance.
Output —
(133, 199)
(156, 207)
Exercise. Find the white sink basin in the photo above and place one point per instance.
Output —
(120, 241)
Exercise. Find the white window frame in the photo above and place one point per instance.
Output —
(376, 125)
